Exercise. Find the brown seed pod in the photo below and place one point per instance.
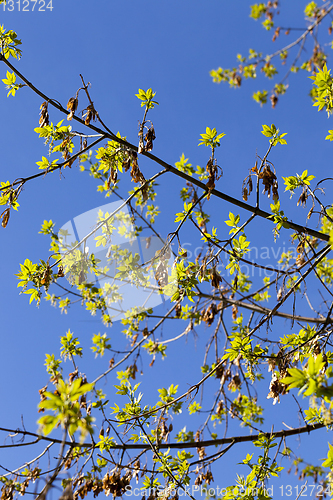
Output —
(61, 273)
(72, 106)
(5, 217)
(44, 115)
(161, 274)
(276, 33)
(90, 114)
(300, 260)
(149, 138)
(219, 407)
(46, 275)
(274, 99)
(250, 185)
(215, 277)
(269, 181)
(141, 147)
(304, 196)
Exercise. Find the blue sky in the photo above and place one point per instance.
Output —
(120, 47)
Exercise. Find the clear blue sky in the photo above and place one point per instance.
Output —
(120, 47)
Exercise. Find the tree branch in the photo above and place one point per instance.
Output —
(194, 444)
(170, 168)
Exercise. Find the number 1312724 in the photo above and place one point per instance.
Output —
(27, 5)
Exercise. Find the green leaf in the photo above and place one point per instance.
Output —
(147, 98)
(273, 132)
(211, 138)
(329, 461)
